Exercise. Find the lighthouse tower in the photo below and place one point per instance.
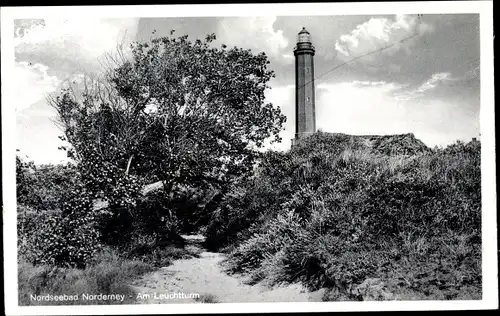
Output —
(305, 114)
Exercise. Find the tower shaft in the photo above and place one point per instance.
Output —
(305, 112)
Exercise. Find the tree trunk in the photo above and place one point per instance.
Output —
(128, 164)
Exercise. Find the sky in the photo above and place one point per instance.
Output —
(425, 83)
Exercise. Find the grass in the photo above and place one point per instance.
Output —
(160, 256)
(111, 271)
(388, 221)
(363, 223)
(108, 274)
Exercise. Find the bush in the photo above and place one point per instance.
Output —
(361, 221)
(108, 273)
(141, 227)
(66, 238)
(53, 182)
(42, 187)
(249, 203)
(152, 222)
(156, 254)
(26, 183)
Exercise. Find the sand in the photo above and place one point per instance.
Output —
(202, 279)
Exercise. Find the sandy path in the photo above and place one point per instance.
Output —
(204, 276)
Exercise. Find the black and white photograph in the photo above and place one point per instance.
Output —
(318, 157)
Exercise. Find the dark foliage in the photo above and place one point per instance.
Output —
(185, 113)
(338, 213)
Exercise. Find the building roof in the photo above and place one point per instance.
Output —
(304, 31)
(304, 36)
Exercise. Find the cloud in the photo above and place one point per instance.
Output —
(381, 86)
(433, 81)
(429, 84)
(394, 68)
(71, 43)
(341, 107)
(347, 107)
(360, 107)
(48, 53)
(379, 33)
(256, 33)
(364, 107)
(371, 107)
(32, 83)
(52, 51)
(37, 137)
(471, 74)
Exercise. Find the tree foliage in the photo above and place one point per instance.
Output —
(56, 222)
(26, 182)
(203, 107)
(43, 187)
(185, 113)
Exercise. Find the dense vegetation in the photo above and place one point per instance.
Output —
(184, 113)
(344, 213)
(363, 217)
(366, 217)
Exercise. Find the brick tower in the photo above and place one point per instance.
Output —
(305, 113)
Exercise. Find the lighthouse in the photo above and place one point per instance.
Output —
(305, 113)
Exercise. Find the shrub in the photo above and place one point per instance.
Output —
(142, 228)
(249, 203)
(26, 183)
(42, 187)
(228, 221)
(257, 253)
(66, 238)
(362, 219)
(156, 254)
(152, 225)
(53, 182)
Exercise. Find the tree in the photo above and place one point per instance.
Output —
(204, 107)
(186, 113)
(26, 183)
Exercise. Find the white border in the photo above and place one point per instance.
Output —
(489, 260)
